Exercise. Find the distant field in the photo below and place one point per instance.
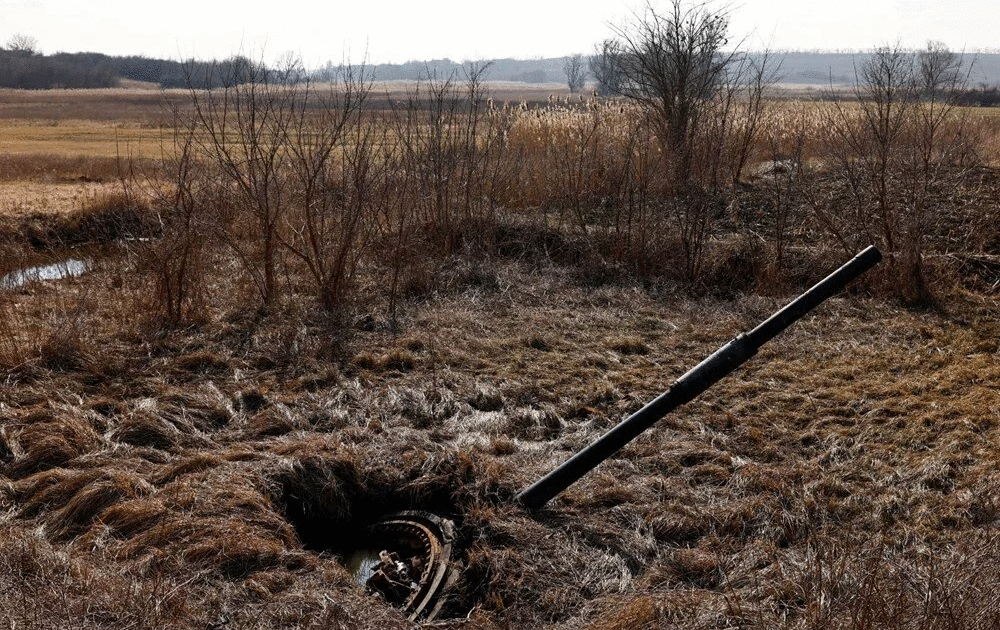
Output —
(146, 106)
(72, 143)
(20, 198)
(120, 122)
(138, 121)
(88, 138)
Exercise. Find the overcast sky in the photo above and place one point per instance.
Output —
(401, 30)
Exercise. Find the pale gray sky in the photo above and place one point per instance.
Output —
(401, 30)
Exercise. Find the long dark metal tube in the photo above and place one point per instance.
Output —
(695, 381)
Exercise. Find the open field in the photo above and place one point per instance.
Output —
(183, 445)
(79, 138)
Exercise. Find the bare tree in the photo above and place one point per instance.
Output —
(885, 91)
(606, 68)
(672, 63)
(576, 76)
(295, 173)
(289, 69)
(939, 69)
(241, 130)
(704, 104)
(23, 44)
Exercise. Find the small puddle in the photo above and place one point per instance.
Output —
(64, 269)
(362, 564)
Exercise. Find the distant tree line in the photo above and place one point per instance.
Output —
(23, 68)
(526, 71)
(981, 96)
(28, 70)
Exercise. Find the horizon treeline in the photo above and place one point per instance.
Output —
(21, 69)
(25, 69)
(31, 70)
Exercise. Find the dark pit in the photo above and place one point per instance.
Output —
(408, 559)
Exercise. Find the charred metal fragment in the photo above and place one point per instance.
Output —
(414, 568)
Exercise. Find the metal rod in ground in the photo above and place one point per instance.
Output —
(695, 381)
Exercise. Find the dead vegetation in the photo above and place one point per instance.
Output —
(187, 444)
(845, 472)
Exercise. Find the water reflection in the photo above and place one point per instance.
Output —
(362, 564)
(55, 271)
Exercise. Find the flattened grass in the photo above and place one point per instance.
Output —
(863, 427)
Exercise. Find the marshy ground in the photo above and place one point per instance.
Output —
(211, 475)
(188, 474)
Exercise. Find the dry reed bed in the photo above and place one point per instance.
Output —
(192, 478)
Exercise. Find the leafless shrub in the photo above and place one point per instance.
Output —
(896, 148)
(286, 176)
(704, 105)
(673, 65)
(241, 132)
(181, 190)
(440, 155)
(338, 181)
(451, 169)
(785, 181)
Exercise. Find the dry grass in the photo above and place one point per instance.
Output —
(79, 139)
(207, 475)
(853, 442)
(24, 198)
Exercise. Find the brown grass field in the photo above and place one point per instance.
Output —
(209, 470)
